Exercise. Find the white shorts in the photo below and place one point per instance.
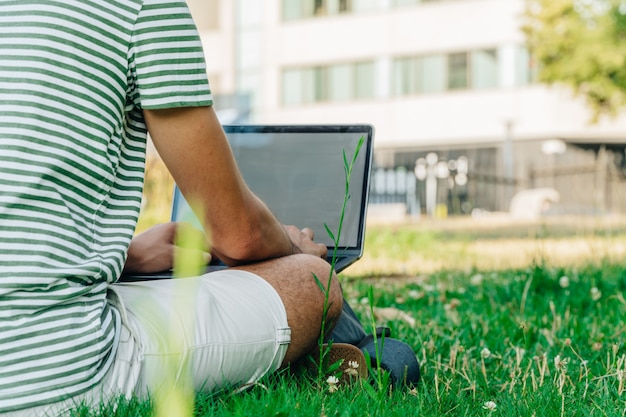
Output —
(229, 328)
(222, 330)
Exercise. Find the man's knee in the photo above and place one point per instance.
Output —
(298, 278)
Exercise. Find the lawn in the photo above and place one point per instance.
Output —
(506, 319)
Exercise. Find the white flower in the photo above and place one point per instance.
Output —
(561, 364)
(595, 294)
(490, 405)
(485, 353)
(476, 279)
(415, 295)
(564, 282)
(332, 383)
(352, 368)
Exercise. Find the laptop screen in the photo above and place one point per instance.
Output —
(298, 171)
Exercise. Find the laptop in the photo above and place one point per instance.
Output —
(298, 171)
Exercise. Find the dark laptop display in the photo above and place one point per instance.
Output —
(298, 171)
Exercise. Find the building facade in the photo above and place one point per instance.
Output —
(461, 122)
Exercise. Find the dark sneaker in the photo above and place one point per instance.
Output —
(396, 357)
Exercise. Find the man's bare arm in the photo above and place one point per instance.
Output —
(194, 148)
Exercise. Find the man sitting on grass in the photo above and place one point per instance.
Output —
(81, 84)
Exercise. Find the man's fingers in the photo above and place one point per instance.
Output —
(309, 232)
(323, 250)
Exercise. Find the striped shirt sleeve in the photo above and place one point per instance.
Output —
(167, 58)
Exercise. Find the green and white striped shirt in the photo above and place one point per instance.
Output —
(74, 76)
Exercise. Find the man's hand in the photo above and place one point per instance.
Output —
(302, 242)
(154, 249)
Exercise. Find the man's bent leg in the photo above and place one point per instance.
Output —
(224, 329)
(293, 278)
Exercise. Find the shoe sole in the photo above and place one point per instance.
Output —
(347, 354)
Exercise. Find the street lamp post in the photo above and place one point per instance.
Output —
(430, 169)
(425, 171)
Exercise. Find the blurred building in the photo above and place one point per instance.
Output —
(461, 123)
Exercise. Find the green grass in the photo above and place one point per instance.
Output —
(524, 318)
(546, 339)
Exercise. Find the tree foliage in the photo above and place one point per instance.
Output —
(582, 44)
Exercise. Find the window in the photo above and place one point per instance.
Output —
(338, 6)
(292, 87)
(301, 9)
(408, 2)
(423, 74)
(405, 76)
(457, 71)
(364, 5)
(320, 84)
(433, 74)
(319, 7)
(296, 9)
(339, 82)
(439, 73)
(484, 69)
(307, 86)
(364, 80)
(404, 2)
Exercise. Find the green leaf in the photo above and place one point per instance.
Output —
(330, 232)
(319, 283)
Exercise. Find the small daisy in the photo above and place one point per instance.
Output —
(415, 295)
(596, 294)
(332, 383)
(476, 280)
(490, 405)
(561, 363)
(564, 282)
(352, 368)
(485, 353)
